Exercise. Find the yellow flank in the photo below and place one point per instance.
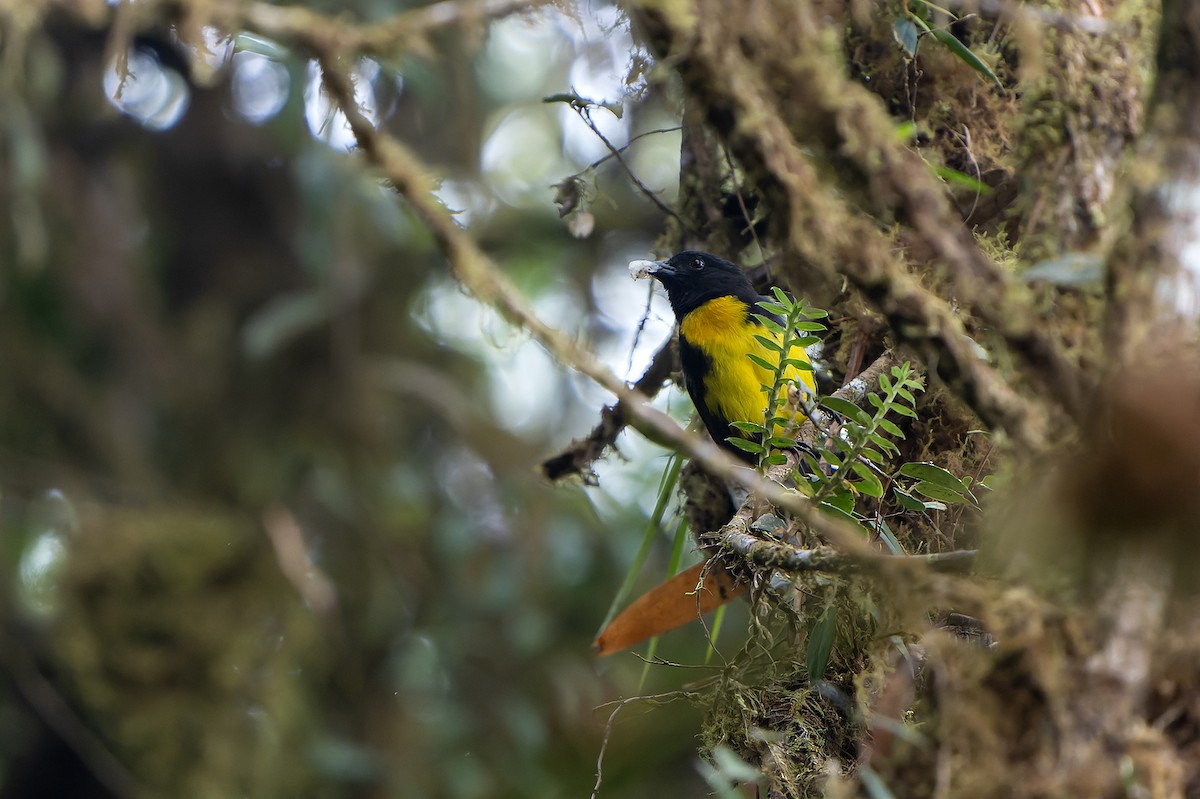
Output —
(734, 383)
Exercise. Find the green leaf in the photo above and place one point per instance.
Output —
(783, 299)
(770, 367)
(890, 428)
(845, 408)
(770, 324)
(903, 410)
(746, 445)
(810, 327)
(842, 500)
(932, 473)
(837, 513)
(773, 307)
(728, 769)
(885, 383)
(905, 33)
(260, 45)
(749, 427)
(284, 319)
(939, 492)
(1069, 269)
(775, 459)
(769, 343)
(889, 538)
(874, 456)
(874, 785)
(796, 363)
(951, 43)
(781, 442)
(869, 484)
(951, 175)
(907, 500)
(884, 444)
(875, 400)
(820, 645)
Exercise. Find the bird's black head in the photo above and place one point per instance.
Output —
(693, 278)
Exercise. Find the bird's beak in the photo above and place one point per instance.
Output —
(641, 269)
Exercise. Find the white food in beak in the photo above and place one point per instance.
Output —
(642, 269)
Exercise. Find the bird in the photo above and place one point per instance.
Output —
(715, 309)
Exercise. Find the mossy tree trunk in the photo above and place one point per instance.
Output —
(1082, 689)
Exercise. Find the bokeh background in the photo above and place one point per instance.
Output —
(270, 516)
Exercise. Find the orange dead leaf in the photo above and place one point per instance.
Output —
(668, 605)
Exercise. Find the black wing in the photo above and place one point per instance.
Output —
(695, 366)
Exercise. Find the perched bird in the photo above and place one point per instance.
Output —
(715, 308)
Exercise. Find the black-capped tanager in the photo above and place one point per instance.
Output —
(715, 308)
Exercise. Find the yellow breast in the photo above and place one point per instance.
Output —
(734, 384)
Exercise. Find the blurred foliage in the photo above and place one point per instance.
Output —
(213, 320)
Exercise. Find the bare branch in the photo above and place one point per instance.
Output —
(296, 24)
(582, 106)
(778, 555)
(577, 459)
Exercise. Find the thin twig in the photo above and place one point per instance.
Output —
(583, 109)
(608, 727)
(612, 717)
(641, 326)
(605, 158)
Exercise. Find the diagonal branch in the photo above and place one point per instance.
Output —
(297, 24)
(785, 557)
(577, 459)
(480, 275)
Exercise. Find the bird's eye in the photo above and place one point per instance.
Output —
(698, 263)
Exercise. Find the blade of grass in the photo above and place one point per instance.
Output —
(951, 43)
(718, 620)
(666, 489)
(681, 535)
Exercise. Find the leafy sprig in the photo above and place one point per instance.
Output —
(861, 447)
(779, 422)
(856, 458)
